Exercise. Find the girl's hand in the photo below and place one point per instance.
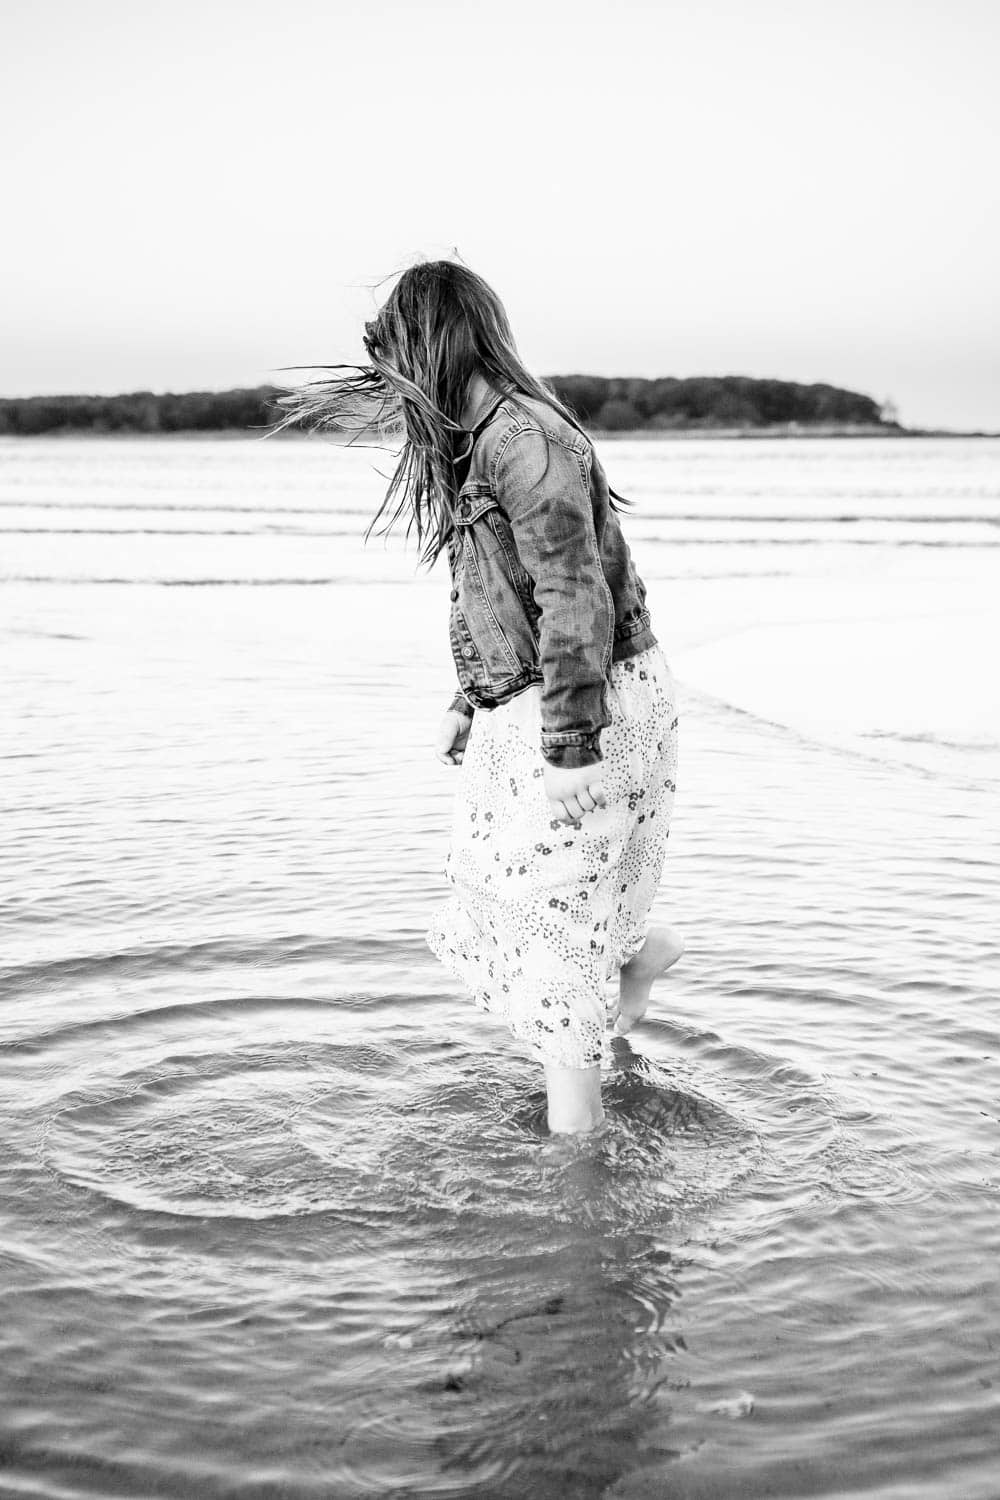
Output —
(572, 793)
(452, 737)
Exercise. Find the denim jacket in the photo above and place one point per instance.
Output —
(543, 588)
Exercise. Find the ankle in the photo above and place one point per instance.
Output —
(574, 1099)
(564, 1120)
(662, 945)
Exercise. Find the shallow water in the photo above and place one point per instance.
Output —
(279, 1213)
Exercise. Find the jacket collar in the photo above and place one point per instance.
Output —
(472, 433)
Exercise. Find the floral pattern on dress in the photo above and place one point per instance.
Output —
(542, 914)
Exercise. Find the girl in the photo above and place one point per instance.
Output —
(564, 722)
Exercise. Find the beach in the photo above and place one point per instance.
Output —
(280, 1215)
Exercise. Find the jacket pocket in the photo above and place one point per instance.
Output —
(483, 521)
(496, 591)
(476, 502)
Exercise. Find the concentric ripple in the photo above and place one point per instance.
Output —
(295, 1126)
(216, 1135)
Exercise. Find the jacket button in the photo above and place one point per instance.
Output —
(454, 593)
(468, 651)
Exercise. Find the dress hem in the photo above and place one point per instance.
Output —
(502, 1013)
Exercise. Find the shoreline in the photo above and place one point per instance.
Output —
(791, 431)
(785, 431)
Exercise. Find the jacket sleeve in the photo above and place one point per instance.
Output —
(543, 488)
(461, 705)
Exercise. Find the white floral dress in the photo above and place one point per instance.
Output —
(541, 914)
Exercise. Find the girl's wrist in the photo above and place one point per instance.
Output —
(572, 757)
(460, 705)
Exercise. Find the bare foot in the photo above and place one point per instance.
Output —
(663, 947)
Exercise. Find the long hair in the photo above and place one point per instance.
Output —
(440, 325)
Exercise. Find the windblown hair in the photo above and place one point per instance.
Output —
(440, 325)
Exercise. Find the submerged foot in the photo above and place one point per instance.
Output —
(663, 947)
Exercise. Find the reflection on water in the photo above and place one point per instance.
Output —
(279, 1213)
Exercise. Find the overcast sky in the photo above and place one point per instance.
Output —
(198, 193)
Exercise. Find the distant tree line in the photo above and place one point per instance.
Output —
(142, 411)
(603, 403)
(620, 405)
